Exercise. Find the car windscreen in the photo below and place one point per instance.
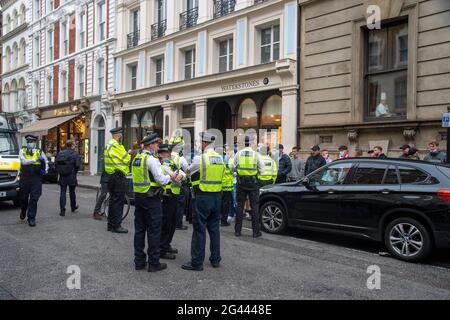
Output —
(445, 170)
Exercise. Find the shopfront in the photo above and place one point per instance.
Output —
(137, 122)
(58, 124)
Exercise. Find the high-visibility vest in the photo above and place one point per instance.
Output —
(176, 159)
(142, 178)
(247, 162)
(33, 168)
(174, 187)
(211, 172)
(271, 170)
(227, 180)
(116, 158)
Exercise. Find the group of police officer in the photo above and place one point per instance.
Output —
(159, 176)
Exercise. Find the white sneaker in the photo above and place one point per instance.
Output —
(231, 219)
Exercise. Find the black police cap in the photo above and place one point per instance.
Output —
(150, 139)
(164, 148)
(30, 137)
(116, 130)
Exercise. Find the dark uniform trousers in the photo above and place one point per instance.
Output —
(206, 216)
(169, 221)
(117, 189)
(101, 197)
(147, 221)
(181, 207)
(241, 195)
(30, 192)
(227, 199)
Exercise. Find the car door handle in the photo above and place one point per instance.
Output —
(386, 191)
(331, 191)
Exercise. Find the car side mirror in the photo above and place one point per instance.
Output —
(308, 184)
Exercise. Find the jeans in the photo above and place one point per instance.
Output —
(254, 204)
(182, 199)
(147, 221)
(206, 217)
(169, 221)
(101, 198)
(232, 211)
(30, 192)
(72, 195)
(227, 199)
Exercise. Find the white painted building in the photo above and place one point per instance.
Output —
(15, 62)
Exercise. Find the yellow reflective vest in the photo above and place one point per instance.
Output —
(174, 187)
(271, 170)
(227, 180)
(142, 179)
(211, 172)
(116, 158)
(247, 164)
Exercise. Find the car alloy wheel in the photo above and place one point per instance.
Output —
(272, 218)
(406, 239)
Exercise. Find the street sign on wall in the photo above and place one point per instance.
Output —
(446, 120)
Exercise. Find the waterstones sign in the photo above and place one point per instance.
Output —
(245, 85)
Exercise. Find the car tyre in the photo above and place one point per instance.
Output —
(273, 217)
(408, 239)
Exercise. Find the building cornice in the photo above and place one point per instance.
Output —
(14, 32)
(6, 4)
(12, 72)
(199, 27)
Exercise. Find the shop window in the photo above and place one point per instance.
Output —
(247, 116)
(271, 113)
(133, 132)
(386, 60)
(158, 126)
(146, 123)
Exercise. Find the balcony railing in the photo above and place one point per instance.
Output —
(133, 39)
(223, 7)
(260, 1)
(188, 18)
(159, 29)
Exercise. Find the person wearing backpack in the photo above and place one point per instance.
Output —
(67, 166)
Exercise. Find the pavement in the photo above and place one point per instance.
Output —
(88, 181)
(34, 263)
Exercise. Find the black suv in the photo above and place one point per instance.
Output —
(403, 203)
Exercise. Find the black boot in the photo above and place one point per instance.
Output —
(63, 212)
(119, 230)
(155, 268)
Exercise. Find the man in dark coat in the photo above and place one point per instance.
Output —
(284, 165)
(69, 180)
(315, 161)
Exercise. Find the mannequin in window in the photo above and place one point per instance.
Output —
(382, 109)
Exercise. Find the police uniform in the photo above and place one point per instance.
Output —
(180, 162)
(34, 165)
(170, 201)
(116, 160)
(148, 182)
(269, 176)
(227, 191)
(206, 175)
(248, 164)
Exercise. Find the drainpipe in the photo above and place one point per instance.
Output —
(297, 134)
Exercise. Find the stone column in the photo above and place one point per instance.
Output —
(200, 117)
(205, 11)
(144, 19)
(121, 23)
(173, 16)
(289, 117)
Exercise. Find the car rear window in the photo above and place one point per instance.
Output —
(409, 175)
(444, 170)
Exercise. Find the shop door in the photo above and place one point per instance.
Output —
(221, 118)
(100, 148)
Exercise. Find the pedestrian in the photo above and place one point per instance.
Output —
(326, 156)
(378, 153)
(67, 165)
(206, 172)
(229, 158)
(409, 152)
(170, 201)
(117, 161)
(343, 152)
(34, 165)
(176, 145)
(227, 188)
(435, 154)
(284, 165)
(315, 160)
(248, 164)
(297, 164)
(148, 181)
(371, 153)
(270, 174)
(358, 153)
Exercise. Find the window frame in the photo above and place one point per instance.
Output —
(229, 56)
(272, 42)
(389, 54)
(130, 69)
(51, 43)
(101, 18)
(160, 72)
(192, 63)
(82, 30)
(81, 83)
(100, 75)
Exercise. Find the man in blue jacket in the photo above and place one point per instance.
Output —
(67, 166)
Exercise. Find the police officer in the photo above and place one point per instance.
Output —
(206, 176)
(117, 161)
(148, 181)
(176, 145)
(248, 163)
(170, 201)
(34, 165)
(227, 189)
(269, 176)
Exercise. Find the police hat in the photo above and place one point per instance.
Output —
(30, 137)
(207, 137)
(150, 139)
(163, 148)
(116, 130)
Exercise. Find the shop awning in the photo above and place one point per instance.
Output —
(41, 127)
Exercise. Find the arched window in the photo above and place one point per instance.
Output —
(271, 113)
(247, 116)
(8, 25)
(146, 123)
(8, 59)
(133, 131)
(22, 14)
(14, 19)
(22, 101)
(101, 123)
(5, 93)
(15, 59)
(23, 52)
(14, 100)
